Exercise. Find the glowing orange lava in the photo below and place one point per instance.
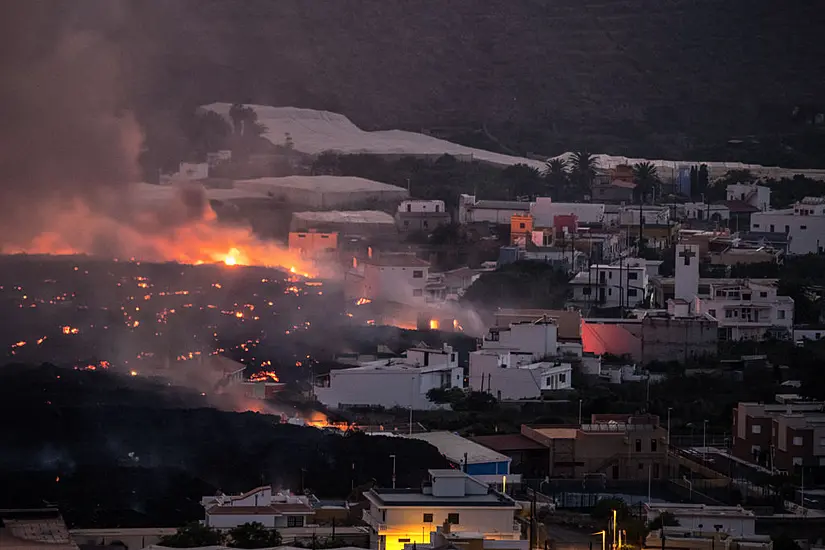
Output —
(264, 376)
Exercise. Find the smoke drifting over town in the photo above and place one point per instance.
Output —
(70, 144)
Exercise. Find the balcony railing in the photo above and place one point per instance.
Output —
(376, 524)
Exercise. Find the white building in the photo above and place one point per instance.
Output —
(687, 272)
(732, 520)
(611, 286)
(471, 210)
(420, 206)
(804, 224)
(519, 382)
(652, 215)
(272, 509)
(544, 212)
(746, 309)
(470, 457)
(703, 211)
(538, 338)
(401, 382)
(400, 278)
(758, 196)
(404, 516)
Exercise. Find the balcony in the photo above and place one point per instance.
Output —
(375, 523)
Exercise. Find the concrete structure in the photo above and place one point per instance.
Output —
(780, 436)
(421, 215)
(470, 457)
(394, 277)
(619, 446)
(510, 376)
(471, 210)
(34, 529)
(568, 321)
(687, 272)
(325, 192)
(544, 212)
(652, 215)
(610, 286)
(732, 520)
(401, 382)
(397, 517)
(804, 225)
(674, 334)
(746, 309)
(312, 244)
(351, 222)
(701, 211)
(683, 538)
(272, 509)
(757, 196)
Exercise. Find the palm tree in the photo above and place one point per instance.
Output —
(646, 178)
(557, 177)
(583, 166)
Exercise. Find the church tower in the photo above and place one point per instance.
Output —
(687, 272)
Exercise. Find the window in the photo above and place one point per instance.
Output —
(295, 521)
(425, 224)
(773, 229)
(302, 236)
(797, 441)
(562, 378)
(638, 445)
(704, 289)
(756, 429)
(763, 294)
(728, 314)
(610, 292)
(756, 226)
(403, 540)
(438, 208)
(418, 292)
(610, 275)
(653, 445)
(521, 225)
(549, 381)
(452, 518)
(631, 292)
(797, 461)
(787, 229)
(712, 312)
(633, 276)
(418, 274)
(586, 291)
(746, 296)
(781, 313)
(641, 466)
(406, 223)
(656, 470)
(428, 518)
(803, 227)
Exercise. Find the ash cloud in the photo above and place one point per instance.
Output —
(67, 130)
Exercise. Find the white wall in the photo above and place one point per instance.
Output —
(421, 206)
(395, 283)
(758, 196)
(702, 211)
(393, 387)
(544, 210)
(618, 285)
(436, 358)
(652, 215)
(539, 339)
(807, 233)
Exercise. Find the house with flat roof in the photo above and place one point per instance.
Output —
(479, 461)
(397, 517)
(271, 508)
(732, 520)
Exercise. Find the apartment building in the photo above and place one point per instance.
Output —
(804, 225)
(397, 517)
(780, 436)
(421, 215)
(610, 286)
(619, 446)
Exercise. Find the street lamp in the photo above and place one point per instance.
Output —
(393, 470)
(614, 528)
(704, 440)
(602, 533)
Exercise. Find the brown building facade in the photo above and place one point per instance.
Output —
(618, 446)
(780, 436)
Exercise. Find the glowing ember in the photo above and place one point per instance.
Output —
(69, 330)
(133, 372)
(362, 301)
(264, 376)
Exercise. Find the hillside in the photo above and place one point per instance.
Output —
(545, 75)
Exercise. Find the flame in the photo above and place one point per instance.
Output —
(264, 376)
(153, 234)
(433, 324)
(362, 301)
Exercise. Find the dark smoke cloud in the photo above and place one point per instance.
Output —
(67, 128)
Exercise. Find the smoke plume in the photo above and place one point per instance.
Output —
(70, 144)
